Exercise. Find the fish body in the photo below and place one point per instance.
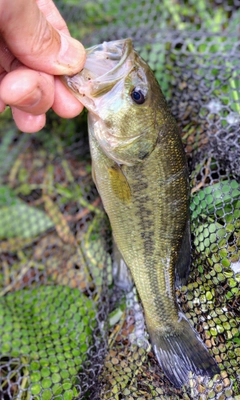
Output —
(140, 171)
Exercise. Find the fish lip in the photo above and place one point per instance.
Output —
(82, 85)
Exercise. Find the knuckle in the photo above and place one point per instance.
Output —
(44, 40)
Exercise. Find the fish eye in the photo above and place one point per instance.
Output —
(137, 96)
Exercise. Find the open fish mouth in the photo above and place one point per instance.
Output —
(107, 57)
(105, 65)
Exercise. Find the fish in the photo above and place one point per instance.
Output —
(140, 171)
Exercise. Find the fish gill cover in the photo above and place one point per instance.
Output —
(67, 331)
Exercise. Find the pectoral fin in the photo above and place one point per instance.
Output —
(119, 184)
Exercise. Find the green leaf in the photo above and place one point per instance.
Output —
(115, 315)
(207, 235)
(214, 196)
(8, 197)
(22, 221)
(8, 155)
(25, 312)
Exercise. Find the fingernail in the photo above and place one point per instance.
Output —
(72, 54)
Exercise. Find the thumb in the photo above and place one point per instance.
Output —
(35, 42)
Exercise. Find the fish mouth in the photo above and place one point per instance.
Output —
(107, 58)
(105, 65)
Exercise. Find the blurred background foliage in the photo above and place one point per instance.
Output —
(193, 49)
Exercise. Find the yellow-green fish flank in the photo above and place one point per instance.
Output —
(140, 171)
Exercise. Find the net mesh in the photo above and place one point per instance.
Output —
(67, 329)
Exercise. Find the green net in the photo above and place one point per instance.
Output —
(67, 328)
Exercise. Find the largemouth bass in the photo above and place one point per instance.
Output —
(140, 171)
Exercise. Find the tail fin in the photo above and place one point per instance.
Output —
(181, 352)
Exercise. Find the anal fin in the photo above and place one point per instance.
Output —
(184, 259)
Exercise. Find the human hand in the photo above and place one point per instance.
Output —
(35, 48)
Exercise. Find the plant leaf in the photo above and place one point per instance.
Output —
(22, 221)
(8, 197)
(52, 326)
(214, 197)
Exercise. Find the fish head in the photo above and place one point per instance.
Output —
(122, 96)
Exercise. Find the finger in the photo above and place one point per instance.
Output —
(34, 41)
(27, 122)
(2, 104)
(52, 14)
(65, 104)
(6, 57)
(28, 90)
